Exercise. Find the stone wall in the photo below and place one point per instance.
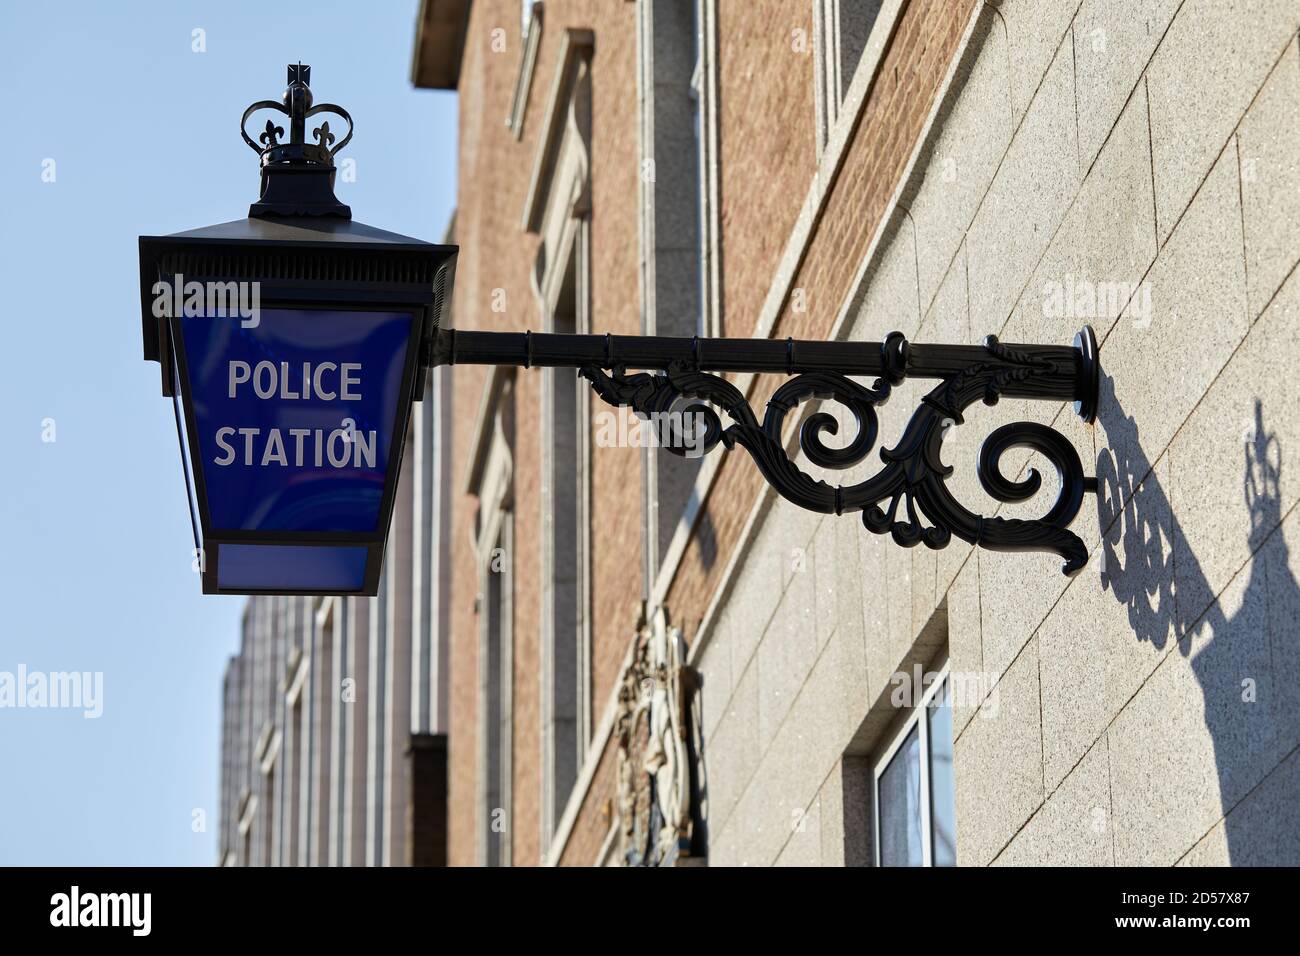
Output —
(1145, 711)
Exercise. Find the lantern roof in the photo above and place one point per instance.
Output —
(293, 229)
(298, 241)
(324, 253)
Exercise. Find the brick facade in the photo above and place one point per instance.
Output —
(497, 254)
(767, 165)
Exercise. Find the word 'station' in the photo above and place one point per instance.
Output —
(341, 447)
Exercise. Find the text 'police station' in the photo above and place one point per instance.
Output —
(341, 447)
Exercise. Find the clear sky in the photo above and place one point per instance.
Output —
(96, 572)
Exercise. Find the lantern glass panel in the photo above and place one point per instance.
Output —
(288, 567)
(294, 416)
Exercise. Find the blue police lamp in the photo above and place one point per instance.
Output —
(292, 344)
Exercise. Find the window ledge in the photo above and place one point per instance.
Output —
(527, 66)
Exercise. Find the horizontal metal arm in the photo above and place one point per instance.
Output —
(1058, 370)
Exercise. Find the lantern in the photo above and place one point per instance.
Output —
(292, 344)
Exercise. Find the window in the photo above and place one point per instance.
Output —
(679, 249)
(491, 468)
(354, 778)
(841, 29)
(266, 822)
(558, 210)
(497, 721)
(376, 722)
(292, 782)
(339, 731)
(530, 41)
(566, 503)
(296, 761)
(915, 811)
(431, 572)
(704, 97)
(677, 84)
(321, 754)
(397, 698)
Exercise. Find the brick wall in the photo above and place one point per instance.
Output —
(766, 133)
(768, 127)
(768, 161)
(497, 254)
(913, 66)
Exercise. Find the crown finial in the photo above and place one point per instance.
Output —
(297, 104)
(296, 194)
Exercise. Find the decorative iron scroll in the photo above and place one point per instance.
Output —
(908, 498)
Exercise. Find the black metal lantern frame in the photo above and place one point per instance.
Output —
(302, 246)
(304, 251)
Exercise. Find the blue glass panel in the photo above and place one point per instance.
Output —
(286, 567)
(295, 415)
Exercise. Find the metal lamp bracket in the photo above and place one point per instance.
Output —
(908, 498)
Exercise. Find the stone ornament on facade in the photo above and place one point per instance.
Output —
(655, 747)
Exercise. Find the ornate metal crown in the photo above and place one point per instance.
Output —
(297, 105)
(297, 176)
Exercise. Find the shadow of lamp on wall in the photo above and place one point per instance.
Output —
(1242, 644)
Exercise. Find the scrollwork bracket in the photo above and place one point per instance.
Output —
(909, 497)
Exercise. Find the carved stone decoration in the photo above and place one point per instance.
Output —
(655, 750)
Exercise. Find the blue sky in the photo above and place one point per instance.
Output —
(97, 575)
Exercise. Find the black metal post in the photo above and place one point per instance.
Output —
(895, 358)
